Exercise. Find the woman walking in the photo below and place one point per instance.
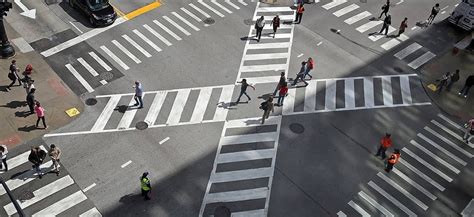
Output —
(55, 153)
(40, 113)
(276, 24)
(267, 106)
(282, 94)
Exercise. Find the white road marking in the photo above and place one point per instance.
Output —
(359, 209)
(87, 66)
(62, 205)
(289, 105)
(224, 99)
(341, 214)
(401, 1)
(446, 152)
(191, 14)
(199, 10)
(403, 37)
(345, 10)
(390, 44)
(274, 9)
(242, 2)
(103, 82)
(106, 113)
(405, 89)
(79, 77)
(310, 96)
(41, 194)
(413, 28)
(447, 6)
(387, 91)
(248, 138)
(91, 213)
(221, 6)
(277, 36)
(178, 107)
(167, 30)
(376, 37)
(369, 92)
(414, 184)
(127, 52)
(391, 199)
(89, 187)
(76, 27)
(429, 166)
(357, 17)
(164, 140)
(250, 213)
(231, 196)
(156, 34)
(252, 122)
(155, 108)
(177, 26)
(268, 27)
(369, 25)
(349, 93)
(25, 177)
(403, 191)
(375, 204)
(265, 79)
(211, 8)
(114, 57)
(268, 19)
(185, 21)
(447, 141)
(148, 41)
(407, 51)
(18, 160)
(201, 105)
(265, 56)
(320, 43)
(128, 116)
(239, 175)
(245, 155)
(421, 60)
(300, 55)
(451, 122)
(330, 99)
(434, 156)
(445, 129)
(100, 61)
(126, 164)
(443, 12)
(136, 45)
(259, 68)
(422, 175)
(334, 3)
(232, 4)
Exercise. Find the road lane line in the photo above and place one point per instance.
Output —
(156, 34)
(87, 66)
(62, 205)
(232, 4)
(167, 30)
(447, 141)
(357, 17)
(221, 6)
(330, 99)
(387, 91)
(300, 55)
(446, 152)
(164, 140)
(414, 184)
(369, 25)
(427, 165)
(249, 138)
(201, 105)
(126, 164)
(155, 108)
(310, 96)
(434, 156)
(264, 79)
(274, 9)
(421, 60)
(89, 187)
(239, 175)
(242, 2)
(245, 155)
(289, 105)
(224, 100)
(239, 195)
(114, 57)
(185, 21)
(403, 191)
(334, 3)
(178, 107)
(106, 113)
(265, 56)
(100, 61)
(459, 127)
(191, 15)
(91, 213)
(405, 89)
(375, 204)
(269, 19)
(199, 10)
(390, 44)
(128, 116)
(210, 8)
(445, 129)
(79, 77)
(391, 199)
(345, 10)
(76, 27)
(127, 52)
(349, 93)
(407, 51)
(369, 92)
(136, 45)
(422, 175)
(253, 122)
(147, 40)
(341, 214)
(180, 28)
(359, 209)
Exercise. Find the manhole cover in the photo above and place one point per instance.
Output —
(106, 76)
(142, 125)
(27, 195)
(209, 21)
(222, 211)
(296, 128)
(91, 101)
(397, 69)
(248, 22)
(122, 108)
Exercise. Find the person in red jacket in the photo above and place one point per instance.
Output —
(385, 143)
(299, 13)
(392, 160)
(283, 92)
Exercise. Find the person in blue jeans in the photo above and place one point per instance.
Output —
(138, 94)
(243, 89)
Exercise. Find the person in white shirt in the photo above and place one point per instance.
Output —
(469, 131)
(3, 155)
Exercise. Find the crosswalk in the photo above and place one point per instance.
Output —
(144, 42)
(263, 61)
(243, 168)
(52, 195)
(427, 165)
(353, 15)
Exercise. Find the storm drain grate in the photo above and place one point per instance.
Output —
(296, 128)
(106, 76)
(142, 125)
(91, 101)
(209, 21)
(26, 195)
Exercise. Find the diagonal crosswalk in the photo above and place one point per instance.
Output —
(420, 175)
(50, 196)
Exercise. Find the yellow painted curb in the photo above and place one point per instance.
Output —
(142, 10)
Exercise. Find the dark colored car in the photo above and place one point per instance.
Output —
(99, 12)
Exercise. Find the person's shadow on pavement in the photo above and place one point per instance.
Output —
(14, 104)
(27, 128)
(23, 114)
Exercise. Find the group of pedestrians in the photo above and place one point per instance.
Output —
(38, 155)
(386, 143)
(260, 23)
(448, 79)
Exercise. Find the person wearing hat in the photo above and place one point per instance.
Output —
(385, 143)
(392, 160)
(145, 186)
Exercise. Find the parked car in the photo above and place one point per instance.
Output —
(99, 12)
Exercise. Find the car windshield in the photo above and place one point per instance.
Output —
(98, 4)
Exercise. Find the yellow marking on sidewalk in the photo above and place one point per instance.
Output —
(432, 87)
(142, 10)
(72, 112)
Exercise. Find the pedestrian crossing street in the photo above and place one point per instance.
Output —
(243, 168)
(414, 54)
(50, 196)
(145, 41)
(427, 165)
(263, 61)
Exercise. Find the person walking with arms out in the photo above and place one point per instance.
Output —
(145, 186)
(36, 157)
(300, 75)
(403, 26)
(3, 156)
(385, 143)
(55, 153)
(469, 131)
(392, 160)
(282, 94)
(39, 110)
(138, 94)
(385, 9)
(13, 75)
(434, 12)
(386, 23)
(299, 13)
(309, 66)
(276, 24)
(243, 89)
(267, 107)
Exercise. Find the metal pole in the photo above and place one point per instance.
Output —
(6, 50)
(12, 198)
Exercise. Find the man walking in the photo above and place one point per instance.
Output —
(392, 160)
(30, 100)
(300, 75)
(386, 23)
(259, 27)
(469, 131)
(467, 86)
(276, 24)
(385, 143)
(299, 13)
(403, 26)
(443, 81)
(454, 79)
(267, 106)
(138, 94)
(3, 156)
(434, 12)
(243, 89)
(385, 9)
(280, 83)
(55, 153)
(309, 66)
(13, 75)
(36, 157)
(145, 186)
(282, 94)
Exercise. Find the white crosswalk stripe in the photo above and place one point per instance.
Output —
(390, 44)
(357, 17)
(232, 4)
(185, 21)
(375, 204)
(127, 52)
(403, 191)
(333, 4)
(211, 8)
(127, 117)
(414, 184)
(434, 156)
(87, 66)
(91, 213)
(221, 6)
(114, 57)
(199, 10)
(408, 50)
(428, 165)
(62, 205)
(359, 209)
(449, 142)
(79, 77)
(391, 199)
(176, 25)
(446, 152)
(100, 61)
(136, 45)
(191, 15)
(427, 56)
(178, 107)
(422, 175)
(368, 25)
(167, 30)
(146, 40)
(158, 35)
(345, 10)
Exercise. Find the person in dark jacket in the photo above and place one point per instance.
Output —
(469, 82)
(454, 79)
(267, 107)
(385, 9)
(386, 23)
(13, 75)
(280, 83)
(30, 100)
(276, 24)
(36, 157)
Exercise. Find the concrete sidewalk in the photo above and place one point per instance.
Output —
(451, 102)
(17, 127)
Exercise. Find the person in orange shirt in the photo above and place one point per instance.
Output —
(385, 143)
(299, 13)
(392, 160)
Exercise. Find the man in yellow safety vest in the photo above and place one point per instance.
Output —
(145, 186)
